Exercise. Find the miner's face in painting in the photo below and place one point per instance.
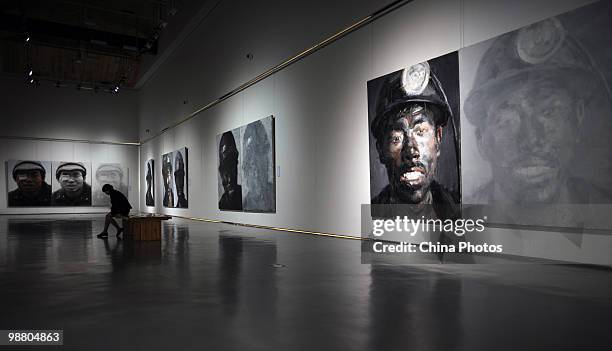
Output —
(410, 151)
(71, 181)
(530, 137)
(29, 181)
(228, 161)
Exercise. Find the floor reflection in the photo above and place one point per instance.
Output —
(247, 287)
(408, 304)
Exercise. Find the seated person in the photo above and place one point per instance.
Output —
(119, 206)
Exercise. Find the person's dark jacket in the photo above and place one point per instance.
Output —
(60, 198)
(119, 203)
(16, 197)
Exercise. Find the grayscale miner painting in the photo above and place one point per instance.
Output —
(115, 174)
(537, 112)
(175, 179)
(246, 167)
(413, 117)
(28, 183)
(229, 178)
(150, 182)
(167, 168)
(71, 184)
(180, 178)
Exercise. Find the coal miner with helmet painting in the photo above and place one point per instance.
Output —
(413, 136)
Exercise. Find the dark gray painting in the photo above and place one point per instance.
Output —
(167, 168)
(28, 183)
(537, 115)
(229, 175)
(246, 177)
(180, 178)
(150, 181)
(258, 188)
(413, 119)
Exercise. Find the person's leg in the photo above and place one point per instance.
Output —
(114, 223)
(119, 229)
(107, 222)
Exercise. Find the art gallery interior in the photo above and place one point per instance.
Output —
(259, 128)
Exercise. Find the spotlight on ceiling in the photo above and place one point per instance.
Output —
(30, 73)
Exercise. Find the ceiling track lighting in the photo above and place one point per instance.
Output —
(114, 89)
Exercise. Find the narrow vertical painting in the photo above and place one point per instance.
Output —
(150, 182)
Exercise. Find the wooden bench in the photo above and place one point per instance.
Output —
(142, 227)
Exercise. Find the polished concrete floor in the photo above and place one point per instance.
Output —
(221, 287)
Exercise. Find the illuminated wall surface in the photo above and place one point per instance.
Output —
(325, 152)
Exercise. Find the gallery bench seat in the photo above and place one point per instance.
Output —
(141, 227)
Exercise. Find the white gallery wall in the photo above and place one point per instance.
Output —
(65, 113)
(319, 103)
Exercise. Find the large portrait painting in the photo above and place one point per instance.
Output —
(246, 164)
(537, 117)
(150, 181)
(71, 184)
(174, 176)
(413, 118)
(115, 174)
(28, 183)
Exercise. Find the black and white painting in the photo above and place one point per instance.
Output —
(180, 178)
(246, 164)
(28, 183)
(174, 176)
(537, 113)
(115, 174)
(229, 177)
(258, 186)
(150, 182)
(71, 183)
(413, 119)
(167, 169)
